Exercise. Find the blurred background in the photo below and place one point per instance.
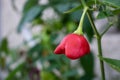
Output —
(31, 29)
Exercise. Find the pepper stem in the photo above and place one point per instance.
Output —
(79, 29)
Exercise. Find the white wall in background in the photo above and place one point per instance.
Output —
(10, 20)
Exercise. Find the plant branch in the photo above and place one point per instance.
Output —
(99, 37)
(92, 24)
(79, 29)
(90, 19)
(101, 62)
(108, 27)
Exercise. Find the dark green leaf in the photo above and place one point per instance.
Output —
(70, 73)
(89, 3)
(35, 50)
(114, 63)
(30, 15)
(62, 7)
(29, 4)
(13, 73)
(2, 62)
(4, 45)
(86, 77)
(54, 2)
(116, 12)
(108, 13)
(101, 15)
(75, 16)
(88, 29)
(87, 62)
(114, 3)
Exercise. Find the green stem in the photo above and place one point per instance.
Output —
(79, 29)
(98, 37)
(108, 27)
(101, 62)
(92, 24)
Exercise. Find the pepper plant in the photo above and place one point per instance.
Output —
(70, 14)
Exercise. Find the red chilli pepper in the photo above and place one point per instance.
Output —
(73, 46)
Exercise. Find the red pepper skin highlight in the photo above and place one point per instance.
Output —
(73, 46)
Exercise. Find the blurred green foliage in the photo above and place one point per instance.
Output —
(54, 67)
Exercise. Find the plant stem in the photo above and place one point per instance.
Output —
(98, 37)
(79, 29)
(108, 27)
(101, 62)
(92, 24)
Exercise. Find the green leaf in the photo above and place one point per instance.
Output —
(75, 16)
(74, 9)
(70, 73)
(108, 13)
(30, 15)
(35, 50)
(116, 12)
(62, 7)
(2, 62)
(87, 29)
(104, 14)
(114, 63)
(89, 3)
(13, 73)
(46, 75)
(86, 77)
(114, 3)
(4, 46)
(29, 4)
(37, 21)
(87, 62)
(54, 2)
